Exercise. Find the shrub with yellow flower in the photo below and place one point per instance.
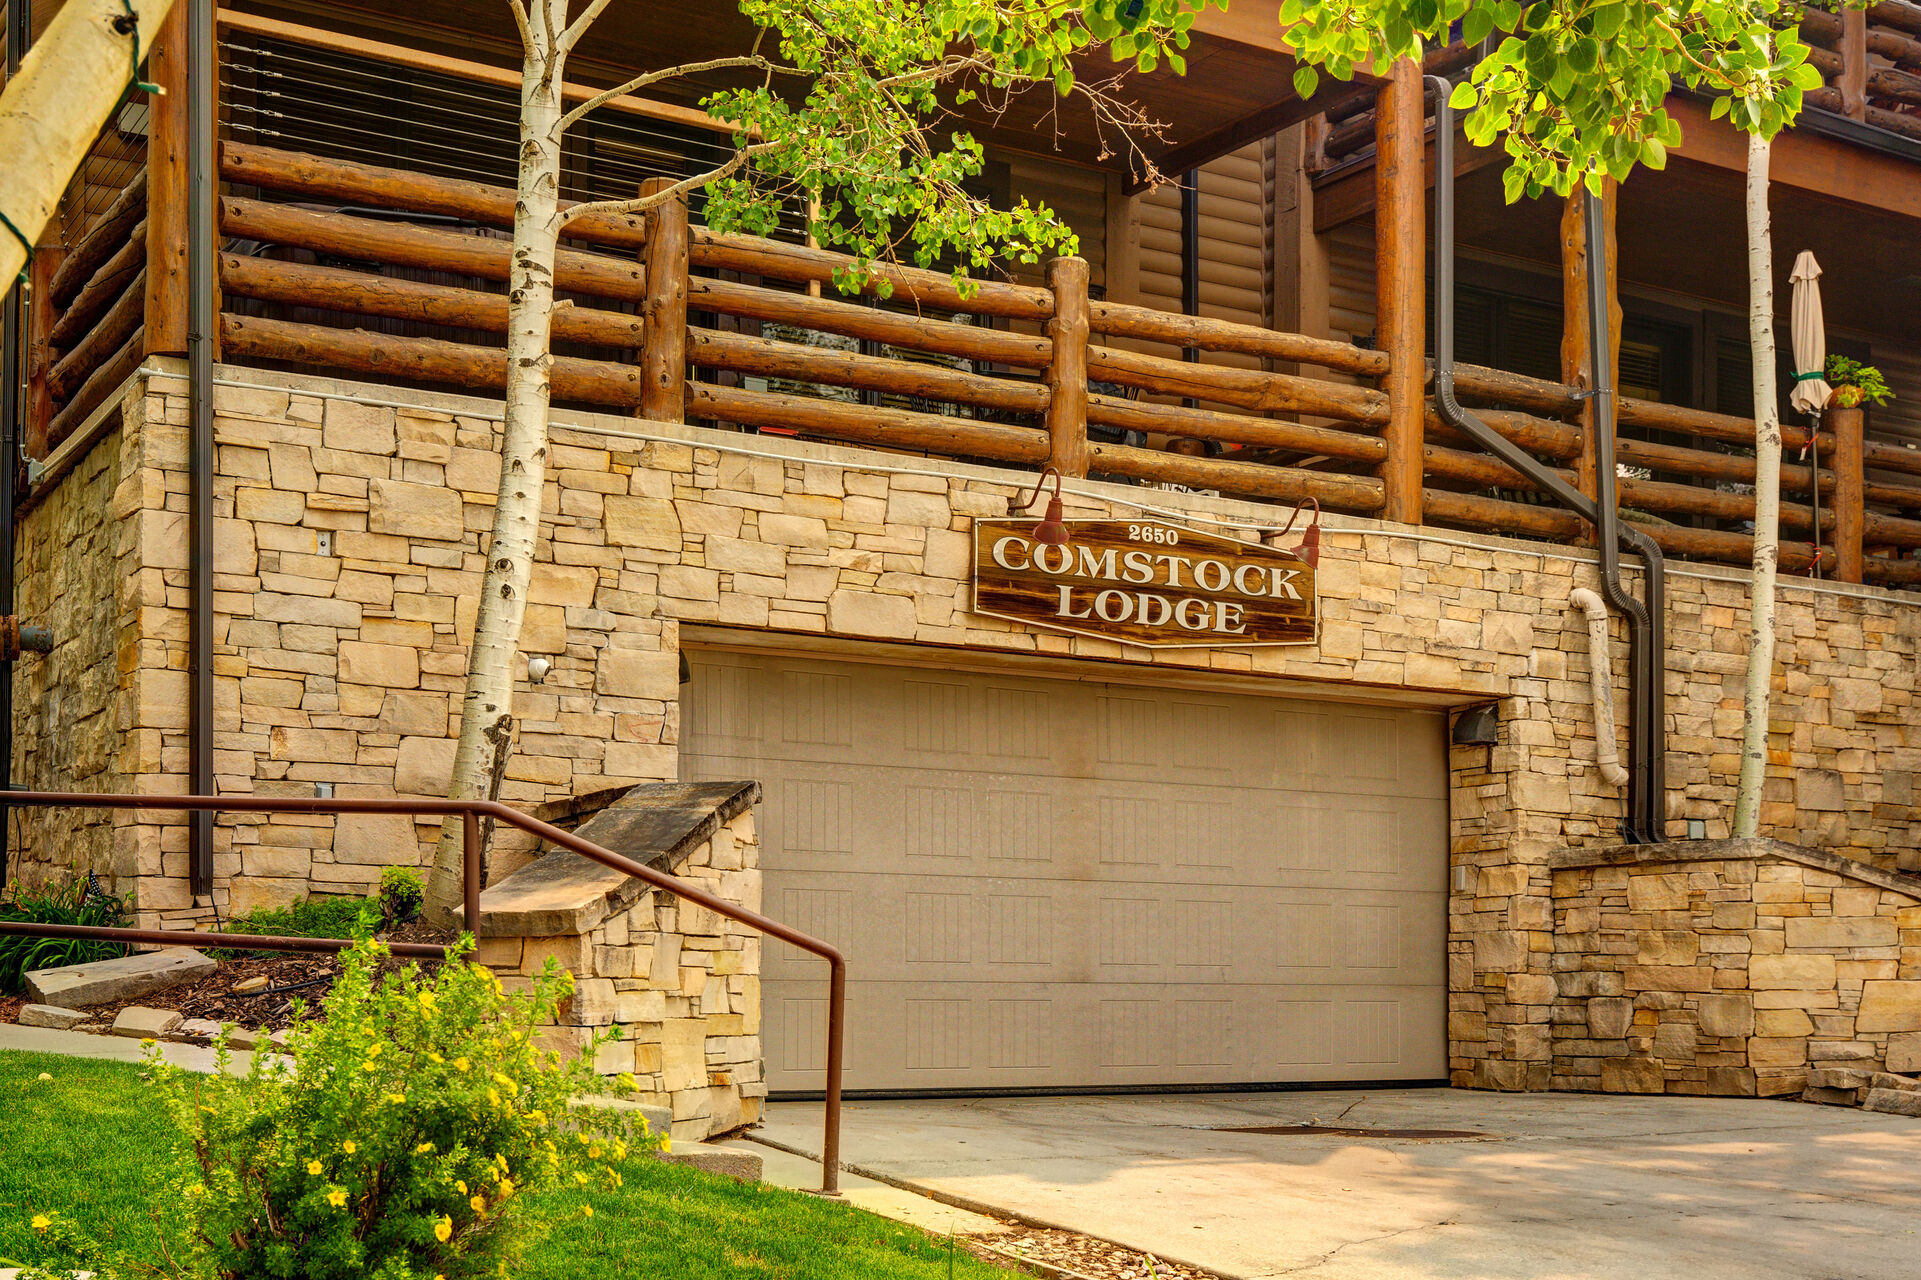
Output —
(425, 1144)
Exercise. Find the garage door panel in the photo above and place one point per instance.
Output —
(1046, 883)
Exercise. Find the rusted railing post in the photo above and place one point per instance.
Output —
(470, 869)
(1066, 375)
(663, 358)
(1400, 229)
(1850, 515)
(167, 190)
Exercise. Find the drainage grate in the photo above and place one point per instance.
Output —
(1338, 1131)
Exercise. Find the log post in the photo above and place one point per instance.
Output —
(1066, 375)
(1849, 499)
(1854, 69)
(663, 355)
(1576, 342)
(166, 314)
(40, 321)
(1400, 189)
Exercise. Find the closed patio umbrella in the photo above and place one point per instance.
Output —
(1810, 394)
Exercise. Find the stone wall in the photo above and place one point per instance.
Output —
(1731, 967)
(350, 534)
(681, 982)
(76, 725)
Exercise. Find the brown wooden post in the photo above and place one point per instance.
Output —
(1066, 375)
(166, 317)
(1849, 496)
(1576, 350)
(40, 356)
(1854, 64)
(663, 357)
(1400, 230)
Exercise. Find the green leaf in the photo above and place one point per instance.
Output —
(1477, 25)
(1584, 55)
(1653, 154)
(1064, 81)
(1608, 19)
(1306, 80)
(1463, 97)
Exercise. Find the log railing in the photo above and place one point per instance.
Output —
(1872, 61)
(936, 369)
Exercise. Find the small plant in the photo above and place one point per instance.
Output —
(81, 902)
(1855, 384)
(305, 918)
(401, 894)
(397, 1140)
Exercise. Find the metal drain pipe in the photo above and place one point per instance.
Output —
(1646, 818)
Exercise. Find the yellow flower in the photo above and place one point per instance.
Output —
(41, 1222)
(369, 1065)
(374, 1052)
(587, 1210)
(348, 1146)
(493, 1097)
(313, 1167)
(336, 1197)
(506, 1187)
(426, 999)
(435, 1058)
(503, 1081)
(593, 1153)
(423, 1148)
(461, 1186)
(460, 1064)
(396, 1098)
(479, 1203)
(443, 1229)
(580, 1177)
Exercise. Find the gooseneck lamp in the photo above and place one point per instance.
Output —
(1053, 530)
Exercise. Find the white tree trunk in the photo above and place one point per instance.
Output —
(54, 108)
(1767, 495)
(486, 709)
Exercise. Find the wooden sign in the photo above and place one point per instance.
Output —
(1144, 582)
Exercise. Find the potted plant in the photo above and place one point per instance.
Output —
(1855, 384)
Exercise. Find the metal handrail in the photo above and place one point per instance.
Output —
(470, 812)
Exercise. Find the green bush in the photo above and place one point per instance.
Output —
(306, 918)
(1855, 384)
(398, 1140)
(81, 902)
(401, 894)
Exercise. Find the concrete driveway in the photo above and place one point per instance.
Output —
(1562, 1185)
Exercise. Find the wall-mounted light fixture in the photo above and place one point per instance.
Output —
(537, 669)
(1052, 530)
(1478, 726)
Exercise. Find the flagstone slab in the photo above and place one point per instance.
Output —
(128, 978)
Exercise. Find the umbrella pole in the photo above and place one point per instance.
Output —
(1814, 452)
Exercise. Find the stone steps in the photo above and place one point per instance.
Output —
(1871, 1090)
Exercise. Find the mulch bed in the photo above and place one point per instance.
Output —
(1068, 1253)
(290, 977)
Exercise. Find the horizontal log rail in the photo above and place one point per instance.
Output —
(1116, 320)
(851, 320)
(1247, 388)
(763, 357)
(903, 429)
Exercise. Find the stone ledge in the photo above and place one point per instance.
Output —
(656, 823)
(1752, 850)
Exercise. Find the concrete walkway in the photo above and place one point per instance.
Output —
(1564, 1186)
(82, 1044)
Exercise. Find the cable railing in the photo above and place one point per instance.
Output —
(471, 813)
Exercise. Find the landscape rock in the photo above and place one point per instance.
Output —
(1889, 1080)
(128, 978)
(1832, 1097)
(138, 1022)
(729, 1162)
(1839, 1078)
(243, 1038)
(196, 1030)
(1895, 1102)
(49, 1015)
(247, 986)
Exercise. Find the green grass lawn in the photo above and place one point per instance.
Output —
(90, 1145)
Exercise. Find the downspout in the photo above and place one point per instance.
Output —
(1646, 819)
(203, 319)
(1607, 752)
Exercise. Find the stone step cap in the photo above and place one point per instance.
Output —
(728, 1162)
(128, 978)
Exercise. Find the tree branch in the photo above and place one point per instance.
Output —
(520, 22)
(578, 27)
(655, 77)
(641, 204)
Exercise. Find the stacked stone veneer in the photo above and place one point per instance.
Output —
(681, 982)
(349, 557)
(1731, 967)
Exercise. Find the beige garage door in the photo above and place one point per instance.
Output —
(1047, 883)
